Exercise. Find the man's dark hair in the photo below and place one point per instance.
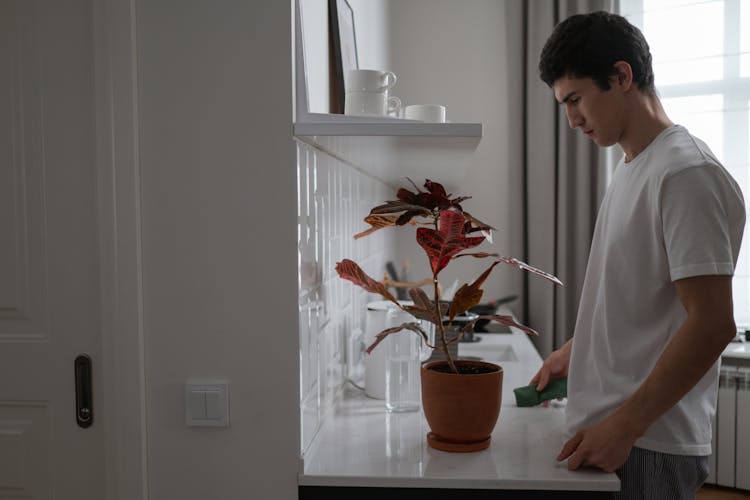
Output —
(588, 45)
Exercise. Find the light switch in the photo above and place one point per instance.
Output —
(213, 405)
(196, 401)
(207, 403)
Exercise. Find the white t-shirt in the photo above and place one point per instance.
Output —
(672, 212)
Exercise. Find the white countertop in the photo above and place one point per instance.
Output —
(737, 350)
(361, 444)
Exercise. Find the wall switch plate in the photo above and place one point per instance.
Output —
(207, 403)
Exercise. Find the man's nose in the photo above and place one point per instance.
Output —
(574, 119)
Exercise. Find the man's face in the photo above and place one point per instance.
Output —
(597, 113)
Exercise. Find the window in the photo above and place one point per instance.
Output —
(701, 57)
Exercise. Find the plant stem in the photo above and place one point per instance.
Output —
(439, 314)
(441, 328)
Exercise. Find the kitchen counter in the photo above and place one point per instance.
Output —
(737, 353)
(362, 445)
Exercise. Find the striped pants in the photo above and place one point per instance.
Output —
(650, 475)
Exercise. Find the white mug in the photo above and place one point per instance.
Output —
(433, 113)
(371, 104)
(369, 80)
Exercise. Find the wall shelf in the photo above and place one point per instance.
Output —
(388, 149)
(391, 150)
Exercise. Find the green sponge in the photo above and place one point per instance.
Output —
(529, 396)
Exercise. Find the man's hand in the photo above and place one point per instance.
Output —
(555, 366)
(605, 445)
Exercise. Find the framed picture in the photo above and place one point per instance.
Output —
(344, 49)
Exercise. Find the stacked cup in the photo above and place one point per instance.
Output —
(367, 93)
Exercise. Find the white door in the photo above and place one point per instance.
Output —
(49, 279)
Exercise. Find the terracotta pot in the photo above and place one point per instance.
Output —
(462, 410)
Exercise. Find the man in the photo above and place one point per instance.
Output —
(656, 306)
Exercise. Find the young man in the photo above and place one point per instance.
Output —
(656, 306)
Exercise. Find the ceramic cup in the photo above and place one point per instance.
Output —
(369, 80)
(433, 113)
(371, 104)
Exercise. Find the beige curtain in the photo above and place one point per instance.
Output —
(558, 178)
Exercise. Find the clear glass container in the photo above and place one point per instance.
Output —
(403, 388)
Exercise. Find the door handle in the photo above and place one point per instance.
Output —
(84, 390)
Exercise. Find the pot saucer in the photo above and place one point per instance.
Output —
(437, 443)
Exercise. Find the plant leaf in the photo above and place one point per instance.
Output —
(349, 270)
(516, 263)
(468, 296)
(435, 189)
(404, 326)
(377, 222)
(406, 217)
(420, 298)
(442, 245)
(435, 197)
(465, 298)
(407, 196)
(505, 320)
(396, 206)
(423, 307)
(478, 225)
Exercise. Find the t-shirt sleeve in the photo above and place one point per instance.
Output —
(695, 223)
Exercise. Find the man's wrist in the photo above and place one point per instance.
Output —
(631, 418)
(568, 347)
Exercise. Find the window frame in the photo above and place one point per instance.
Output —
(735, 90)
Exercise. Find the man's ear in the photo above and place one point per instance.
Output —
(624, 77)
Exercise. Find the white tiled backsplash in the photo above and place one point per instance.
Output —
(333, 199)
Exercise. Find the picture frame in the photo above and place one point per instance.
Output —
(343, 45)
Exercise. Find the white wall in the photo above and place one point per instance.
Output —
(219, 214)
(454, 53)
(219, 244)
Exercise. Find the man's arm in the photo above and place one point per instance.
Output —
(708, 329)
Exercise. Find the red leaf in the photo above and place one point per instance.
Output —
(407, 196)
(477, 224)
(376, 222)
(516, 263)
(505, 320)
(464, 299)
(442, 245)
(349, 270)
(435, 188)
(468, 296)
(423, 307)
(404, 326)
(406, 217)
(420, 298)
(393, 207)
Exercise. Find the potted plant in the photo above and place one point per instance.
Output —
(460, 398)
